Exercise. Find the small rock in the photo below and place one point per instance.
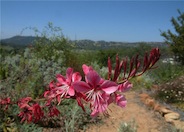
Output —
(168, 120)
(150, 102)
(144, 96)
(157, 107)
(164, 110)
(171, 116)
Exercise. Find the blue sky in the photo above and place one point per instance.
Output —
(126, 21)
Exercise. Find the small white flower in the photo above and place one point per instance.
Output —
(125, 124)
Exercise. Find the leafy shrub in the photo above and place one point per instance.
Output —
(172, 92)
(30, 128)
(166, 71)
(101, 70)
(28, 76)
(102, 56)
(75, 118)
(142, 82)
(127, 127)
(24, 75)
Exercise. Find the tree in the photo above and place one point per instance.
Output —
(51, 44)
(141, 49)
(176, 40)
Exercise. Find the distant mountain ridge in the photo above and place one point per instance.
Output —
(24, 41)
(19, 41)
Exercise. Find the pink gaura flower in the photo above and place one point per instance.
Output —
(125, 86)
(24, 101)
(53, 111)
(63, 87)
(65, 84)
(97, 91)
(37, 112)
(26, 110)
(117, 97)
(120, 100)
(29, 111)
(26, 113)
(5, 102)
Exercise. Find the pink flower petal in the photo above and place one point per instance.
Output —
(93, 78)
(86, 68)
(51, 85)
(102, 105)
(46, 93)
(111, 99)
(109, 86)
(58, 97)
(125, 86)
(94, 113)
(121, 101)
(71, 91)
(60, 78)
(69, 73)
(79, 98)
(81, 86)
(76, 77)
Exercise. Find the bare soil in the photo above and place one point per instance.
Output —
(145, 119)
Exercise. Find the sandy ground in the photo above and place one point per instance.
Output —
(145, 119)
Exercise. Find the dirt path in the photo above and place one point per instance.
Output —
(146, 120)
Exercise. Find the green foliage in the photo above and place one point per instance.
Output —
(5, 50)
(103, 55)
(165, 72)
(128, 127)
(169, 78)
(103, 71)
(73, 118)
(50, 44)
(8, 125)
(29, 76)
(141, 49)
(172, 92)
(28, 73)
(176, 40)
(142, 82)
(30, 128)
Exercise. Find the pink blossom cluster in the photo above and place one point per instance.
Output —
(93, 89)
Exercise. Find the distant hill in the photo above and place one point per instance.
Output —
(23, 41)
(89, 44)
(18, 41)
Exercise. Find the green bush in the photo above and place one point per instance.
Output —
(142, 82)
(172, 91)
(127, 127)
(28, 73)
(165, 72)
